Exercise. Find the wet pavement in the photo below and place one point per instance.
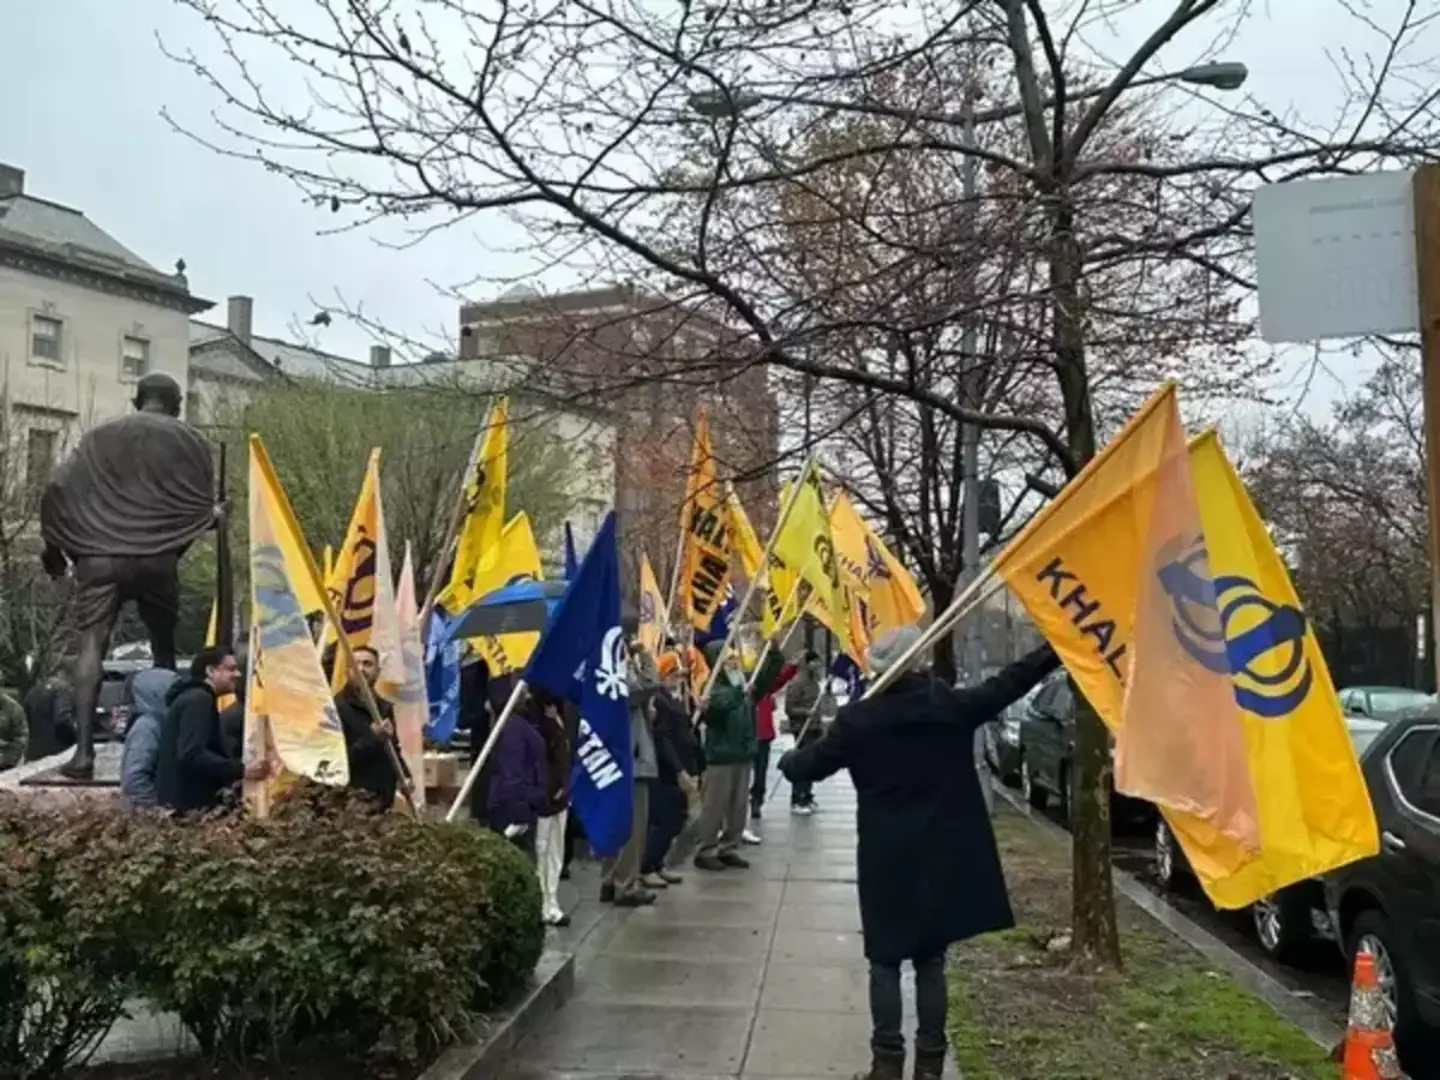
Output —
(753, 973)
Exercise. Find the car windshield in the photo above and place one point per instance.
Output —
(1390, 703)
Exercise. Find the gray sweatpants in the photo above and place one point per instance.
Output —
(724, 798)
(622, 870)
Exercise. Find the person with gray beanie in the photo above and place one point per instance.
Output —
(929, 870)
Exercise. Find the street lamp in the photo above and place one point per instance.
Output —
(722, 102)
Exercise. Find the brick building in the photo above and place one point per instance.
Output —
(650, 361)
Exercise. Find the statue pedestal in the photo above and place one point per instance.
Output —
(41, 780)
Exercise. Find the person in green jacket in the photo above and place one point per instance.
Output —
(729, 718)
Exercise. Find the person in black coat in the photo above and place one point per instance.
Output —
(929, 870)
(372, 770)
(194, 769)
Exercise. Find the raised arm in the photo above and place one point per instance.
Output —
(824, 757)
(981, 703)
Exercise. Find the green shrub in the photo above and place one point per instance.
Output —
(325, 929)
(77, 897)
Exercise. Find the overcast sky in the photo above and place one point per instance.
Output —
(86, 84)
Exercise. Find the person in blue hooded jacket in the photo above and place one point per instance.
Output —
(142, 737)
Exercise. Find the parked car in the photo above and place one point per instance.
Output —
(1389, 905)
(1002, 740)
(1289, 921)
(1047, 752)
(1383, 702)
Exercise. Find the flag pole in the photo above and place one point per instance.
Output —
(985, 585)
(486, 750)
(751, 587)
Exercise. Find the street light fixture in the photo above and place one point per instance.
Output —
(1220, 76)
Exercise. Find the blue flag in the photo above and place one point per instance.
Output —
(842, 667)
(572, 562)
(442, 680)
(719, 628)
(581, 656)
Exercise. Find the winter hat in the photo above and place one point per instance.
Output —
(890, 646)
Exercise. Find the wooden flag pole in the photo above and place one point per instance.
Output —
(750, 588)
(784, 640)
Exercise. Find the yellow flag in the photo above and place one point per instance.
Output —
(361, 586)
(412, 708)
(848, 530)
(483, 494)
(515, 558)
(651, 630)
(803, 543)
(894, 599)
(705, 526)
(1314, 809)
(288, 692)
(1096, 570)
(747, 545)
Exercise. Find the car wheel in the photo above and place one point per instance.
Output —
(1372, 933)
(1034, 794)
(1167, 856)
(1282, 924)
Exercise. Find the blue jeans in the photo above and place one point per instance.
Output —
(667, 818)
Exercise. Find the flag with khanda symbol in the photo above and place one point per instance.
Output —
(651, 631)
(483, 498)
(362, 587)
(804, 545)
(705, 526)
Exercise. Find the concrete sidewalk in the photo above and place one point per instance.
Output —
(746, 973)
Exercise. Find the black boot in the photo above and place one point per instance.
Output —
(929, 1064)
(884, 1065)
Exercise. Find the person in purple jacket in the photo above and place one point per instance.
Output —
(517, 794)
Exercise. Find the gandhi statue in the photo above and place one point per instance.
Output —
(119, 514)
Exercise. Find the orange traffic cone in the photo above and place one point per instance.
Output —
(1369, 1042)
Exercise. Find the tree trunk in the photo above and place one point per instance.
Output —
(1093, 890)
(943, 655)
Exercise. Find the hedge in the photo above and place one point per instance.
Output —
(324, 929)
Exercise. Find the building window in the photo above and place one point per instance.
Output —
(46, 336)
(39, 456)
(134, 358)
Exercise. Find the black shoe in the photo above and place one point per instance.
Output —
(929, 1064)
(884, 1065)
(733, 859)
(709, 862)
(607, 894)
(635, 898)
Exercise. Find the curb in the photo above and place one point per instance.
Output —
(552, 986)
(1316, 1026)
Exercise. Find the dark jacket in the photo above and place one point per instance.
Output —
(729, 715)
(49, 719)
(370, 768)
(232, 727)
(559, 752)
(929, 871)
(194, 770)
(517, 782)
(138, 763)
(676, 750)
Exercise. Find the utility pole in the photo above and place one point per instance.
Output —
(970, 434)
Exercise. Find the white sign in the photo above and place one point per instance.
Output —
(1336, 257)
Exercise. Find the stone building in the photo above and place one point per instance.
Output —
(651, 361)
(82, 317)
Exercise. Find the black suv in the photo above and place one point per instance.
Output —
(1047, 753)
(1389, 904)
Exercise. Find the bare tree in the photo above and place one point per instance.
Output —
(587, 120)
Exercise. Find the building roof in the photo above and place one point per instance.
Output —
(65, 235)
(288, 358)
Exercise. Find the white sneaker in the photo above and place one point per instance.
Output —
(750, 838)
(801, 811)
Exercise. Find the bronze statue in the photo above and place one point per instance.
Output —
(120, 513)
